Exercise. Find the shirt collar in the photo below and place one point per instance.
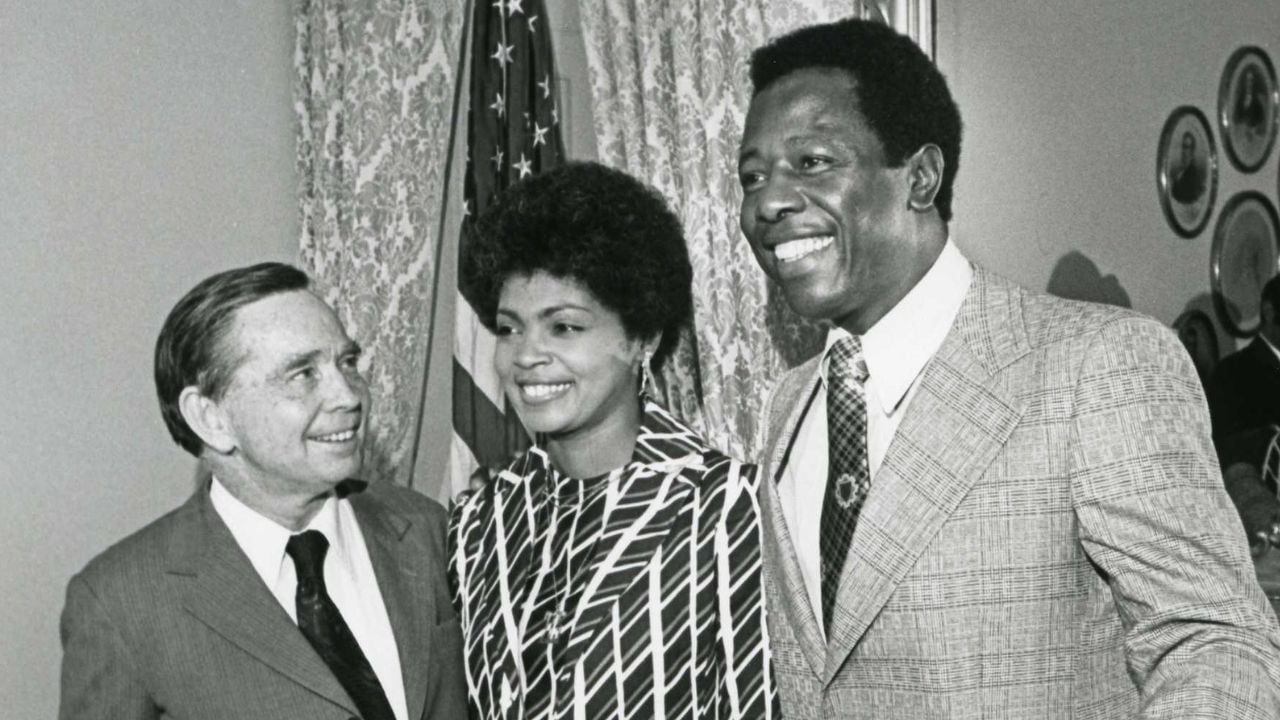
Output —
(897, 348)
(1272, 348)
(663, 443)
(263, 539)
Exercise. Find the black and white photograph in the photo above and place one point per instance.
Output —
(639, 360)
(1248, 107)
(1187, 171)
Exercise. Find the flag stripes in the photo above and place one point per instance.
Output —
(513, 131)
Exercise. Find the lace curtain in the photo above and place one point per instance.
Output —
(374, 94)
(669, 91)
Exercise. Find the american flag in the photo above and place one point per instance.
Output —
(513, 131)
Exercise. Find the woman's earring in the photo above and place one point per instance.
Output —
(648, 387)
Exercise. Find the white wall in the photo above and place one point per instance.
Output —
(147, 144)
(1063, 105)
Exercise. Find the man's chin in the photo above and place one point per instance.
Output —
(338, 472)
(806, 303)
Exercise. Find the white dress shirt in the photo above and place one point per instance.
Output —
(895, 349)
(348, 577)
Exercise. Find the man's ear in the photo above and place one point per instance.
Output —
(206, 419)
(926, 167)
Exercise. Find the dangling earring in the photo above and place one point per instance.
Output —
(648, 387)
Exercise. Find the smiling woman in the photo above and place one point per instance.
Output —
(584, 276)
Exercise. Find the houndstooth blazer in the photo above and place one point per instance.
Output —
(1048, 537)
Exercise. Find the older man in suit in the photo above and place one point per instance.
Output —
(980, 501)
(283, 588)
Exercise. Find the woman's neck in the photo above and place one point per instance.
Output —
(598, 450)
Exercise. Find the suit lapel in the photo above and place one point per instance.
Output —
(406, 591)
(1267, 361)
(781, 563)
(225, 593)
(650, 500)
(956, 424)
(657, 488)
(520, 495)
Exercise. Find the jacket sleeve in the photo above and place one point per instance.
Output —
(1202, 641)
(99, 675)
(745, 673)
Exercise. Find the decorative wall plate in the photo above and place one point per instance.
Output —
(1248, 107)
(1246, 254)
(1187, 171)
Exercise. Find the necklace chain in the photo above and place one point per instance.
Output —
(559, 622)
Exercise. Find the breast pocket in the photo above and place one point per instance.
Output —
(444, 642)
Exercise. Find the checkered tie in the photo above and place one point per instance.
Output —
(848, 478)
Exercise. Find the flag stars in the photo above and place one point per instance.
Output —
(513, 7)
(532, 19)
(499, 106)
(546, 86)
(503, 53)
(497, 159)
(524, 167)
(539, 134)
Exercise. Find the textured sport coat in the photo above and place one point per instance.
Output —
(173, 621)
(1048, 536)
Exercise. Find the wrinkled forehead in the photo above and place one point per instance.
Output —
(837, 79)
(802, 106)
(287, 323)
(810, 92)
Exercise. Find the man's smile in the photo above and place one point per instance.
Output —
(793, 250)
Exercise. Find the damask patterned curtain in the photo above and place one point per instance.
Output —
(669, 91)
(374, 94)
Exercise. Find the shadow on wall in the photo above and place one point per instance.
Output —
(1076, 277)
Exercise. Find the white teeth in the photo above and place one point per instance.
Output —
(796, 249)
(542, 391)
(336, 437)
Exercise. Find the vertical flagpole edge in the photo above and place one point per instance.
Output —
(438, 251)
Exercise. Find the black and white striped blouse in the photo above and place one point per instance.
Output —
(631, 595)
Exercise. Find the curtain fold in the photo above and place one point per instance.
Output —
(669, 91)
(374, 95)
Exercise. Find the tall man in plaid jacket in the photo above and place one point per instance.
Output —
(981, 501)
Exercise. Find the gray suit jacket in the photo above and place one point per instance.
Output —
(1048, 537)
(173, 621)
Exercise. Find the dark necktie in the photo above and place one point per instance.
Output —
(848, 478)
(324, 628)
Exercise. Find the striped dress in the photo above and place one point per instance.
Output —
(631, 595)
